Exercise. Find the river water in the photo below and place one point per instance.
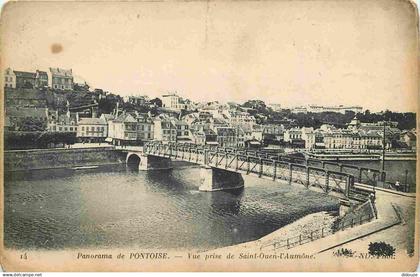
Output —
(118, 207)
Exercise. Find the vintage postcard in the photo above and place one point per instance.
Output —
(209, 135)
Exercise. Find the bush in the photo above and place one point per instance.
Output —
(381, 249)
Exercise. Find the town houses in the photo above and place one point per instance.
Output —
(51, 101)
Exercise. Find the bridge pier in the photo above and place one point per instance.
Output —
(154, 163)
(214, 179)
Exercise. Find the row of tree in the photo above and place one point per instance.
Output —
(30, 140)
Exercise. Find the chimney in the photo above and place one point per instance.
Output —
(77, 117)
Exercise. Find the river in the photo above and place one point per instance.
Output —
(118, 207)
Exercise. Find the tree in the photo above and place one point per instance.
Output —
(255, 104)
(107, 105)
(32, 124)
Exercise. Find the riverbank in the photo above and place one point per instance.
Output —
(395, 225)
(37, 159)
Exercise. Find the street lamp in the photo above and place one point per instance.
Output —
(383, 147)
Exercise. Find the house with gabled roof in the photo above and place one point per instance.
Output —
(123, 130)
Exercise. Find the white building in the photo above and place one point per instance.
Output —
(164, 130)
(9, 78)
(175, 102)
(292, 134)
(61, 79)
(92, 129)
(308, 135)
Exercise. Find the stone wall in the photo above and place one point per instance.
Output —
(16, 160)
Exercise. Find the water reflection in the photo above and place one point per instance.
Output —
(225, 202)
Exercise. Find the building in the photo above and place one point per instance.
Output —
(370, 139)
(191, 118)
(91, 130)
(322, 109)
(9, 78)
(292, 134)
(204, 137)
(273, 133)
(171, 101)
(174, 102)
(354, 124)
(122, 130)
(379, 124)
(138, 100)
(336, 109)
(182, 131)
(339, 139)
(63, 123)
(409, 138)
(299, 110)
(308, 135)
(41, 79)
(61, 79)
(242, 119)
(107, 117)
(25, 79)
(240, 137)
(145, 127)
(226, 136)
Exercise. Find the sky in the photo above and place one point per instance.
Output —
(287, 52)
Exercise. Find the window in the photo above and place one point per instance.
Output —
(83, 128)
(59, 128)
(65, 128)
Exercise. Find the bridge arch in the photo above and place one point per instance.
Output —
(133, 160)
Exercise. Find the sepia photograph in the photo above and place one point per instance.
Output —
(209, 135)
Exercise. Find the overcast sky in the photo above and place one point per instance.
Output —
(286, 52)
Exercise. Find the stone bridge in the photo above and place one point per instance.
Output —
(222, 168)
